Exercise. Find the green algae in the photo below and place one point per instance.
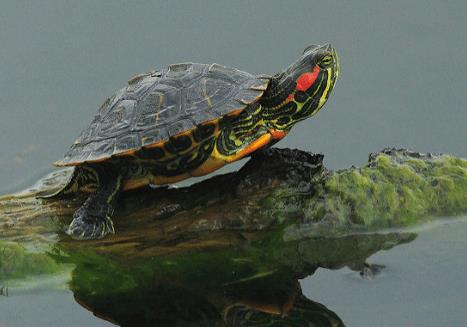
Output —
(18, 262)
(394, 190)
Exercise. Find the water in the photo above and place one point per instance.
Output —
(402, 83)
(422, 284)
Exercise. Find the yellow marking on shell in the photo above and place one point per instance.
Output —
(261, 87)
(119, 113)
(163, 180)
(206, 96)
(213, 163)
(143, 139)
(242, 101)
(161, 101)
(247, 102)
(132, 184)
(208, 99)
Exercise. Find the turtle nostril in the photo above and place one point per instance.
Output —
(311, 47)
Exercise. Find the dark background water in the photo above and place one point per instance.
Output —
(403, 83)
(403, 69)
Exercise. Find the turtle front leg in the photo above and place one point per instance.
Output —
(93, 219)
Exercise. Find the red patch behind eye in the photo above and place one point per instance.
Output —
(305, 80)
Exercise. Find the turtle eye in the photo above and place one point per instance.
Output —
(326, 61)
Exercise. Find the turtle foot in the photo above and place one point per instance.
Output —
(90, 225)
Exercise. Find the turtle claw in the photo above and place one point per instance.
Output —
(91, 222)
(90, 228)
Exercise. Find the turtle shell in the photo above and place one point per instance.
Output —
(156, 106)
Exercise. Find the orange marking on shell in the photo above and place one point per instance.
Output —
(236, 112)
(125, 153)
(60, 163)
(153, 145)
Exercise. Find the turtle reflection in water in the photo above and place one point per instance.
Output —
(245, 285)
(187, 120)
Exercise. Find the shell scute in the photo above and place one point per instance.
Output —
(115, 122)
(180, 126)
(127, 142)
(153, 136)
(102, 149)
(157, 106)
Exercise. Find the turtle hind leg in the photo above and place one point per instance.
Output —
(83, 178)
(93, 220)
(71, 185)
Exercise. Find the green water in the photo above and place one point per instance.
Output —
(402, 83)
(422, 284)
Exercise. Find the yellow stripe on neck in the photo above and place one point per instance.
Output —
(324, 96)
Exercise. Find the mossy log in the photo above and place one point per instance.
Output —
(276, 187)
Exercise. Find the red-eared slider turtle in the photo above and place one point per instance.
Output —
(187, 120)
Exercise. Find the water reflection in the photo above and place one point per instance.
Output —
(252, 284)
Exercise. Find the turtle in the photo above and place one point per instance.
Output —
(188, 119)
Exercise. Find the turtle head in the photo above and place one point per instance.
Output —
(302, 89)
